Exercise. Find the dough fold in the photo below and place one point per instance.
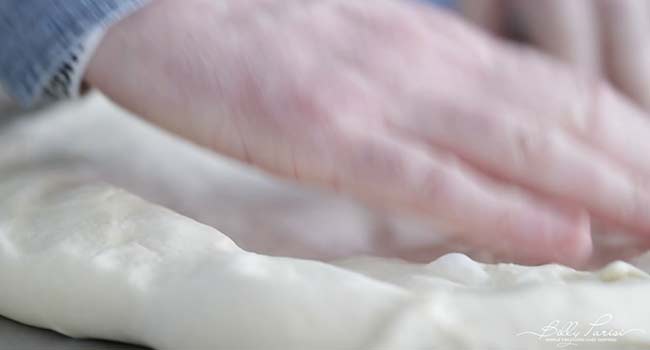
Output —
(92, 261)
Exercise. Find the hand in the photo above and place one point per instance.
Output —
(397, 104)
(607, 37)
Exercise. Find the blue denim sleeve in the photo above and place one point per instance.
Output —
(38, 36)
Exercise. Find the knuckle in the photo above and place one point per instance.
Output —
(436, 183)
(377, 161)
(487, 63)
(436, 186)
(583, 108)
(529, 148)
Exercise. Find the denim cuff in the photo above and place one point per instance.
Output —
(67, 80)
(39, 37)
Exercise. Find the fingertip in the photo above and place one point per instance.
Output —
(576, 248)
(554, 235)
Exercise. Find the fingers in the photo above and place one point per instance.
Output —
(607, 37)
(589, 145)
(544, 159)
(565, 29)
(487, 14)
(388, 170)
(585, 107)
(625, 26)
(530, 120)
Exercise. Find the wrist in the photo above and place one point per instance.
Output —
(104, 56)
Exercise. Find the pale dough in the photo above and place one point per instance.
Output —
(87, 259)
